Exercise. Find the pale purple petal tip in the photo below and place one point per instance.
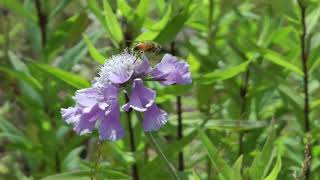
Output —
(141, 97)
(172, 71)
(121, 76)
(70, 115)
(86, 97)
(154, 118)
(110, 127)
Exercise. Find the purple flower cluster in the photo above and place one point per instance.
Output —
(98, 105)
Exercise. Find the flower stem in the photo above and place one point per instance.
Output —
(157, 148)
(96, 165)
(179, 115)
(134, 167)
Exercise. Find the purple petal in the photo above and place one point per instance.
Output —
(86, 97)
(141, 97)
(142, 67)
(154, 118)
(88, 120)
(172, 71)
(121, 76)
(110, 127)
(70, 114)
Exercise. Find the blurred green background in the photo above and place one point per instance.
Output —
(243, 117)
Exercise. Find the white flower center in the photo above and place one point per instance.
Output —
(121, 63)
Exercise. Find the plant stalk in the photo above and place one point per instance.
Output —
(134, 167)
(304, 62)
(179, 115)
(42, 21)
(243, 106)
(95, 173)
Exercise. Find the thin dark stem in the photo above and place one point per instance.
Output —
(304, 61)
(134, 167)
(179, 115)
(243, 106)
(42, 21)
(180, 132)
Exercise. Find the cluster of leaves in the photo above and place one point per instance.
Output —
(245, 62)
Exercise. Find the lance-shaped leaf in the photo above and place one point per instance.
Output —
(69, 78)
(275, 171)
(261, 163)
(219, 164)
(112, 24)
(278, 59)
(95, 54)
(174, 26)
(220, 75)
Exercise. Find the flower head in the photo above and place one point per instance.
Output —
(98, 105)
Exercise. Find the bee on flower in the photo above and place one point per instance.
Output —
(98, 105)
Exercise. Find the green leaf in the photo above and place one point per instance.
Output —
(125, 8)
(24, 77)
(59, 7)
(17, 63)
(156, 28)
(142, 9)
(76, 53)
(86, 174)
(314, 66)
(195, 176)
(32, 96)
(237, 168)
(294, 97)
(93, 51)
(278, 59)
(275, 171)
(170, 150)
(235, 125)
(69, 78)
(68, 33)
(314, 104)
(261, 163)
(72, 159)
(170, 31)
(219, 164)
(17, 7)
(312, 20)
(220, 75)
(113, 26)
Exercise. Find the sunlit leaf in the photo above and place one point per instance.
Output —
(22, 76)
(75, 54)
(261, 163)
(113, 26)
(93, 51)
(85, 175)
(275, 171)
(220, 75)
(69, 78)
(169, 32)
(277, 59)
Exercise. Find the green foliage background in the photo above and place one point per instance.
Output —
(245, 59)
